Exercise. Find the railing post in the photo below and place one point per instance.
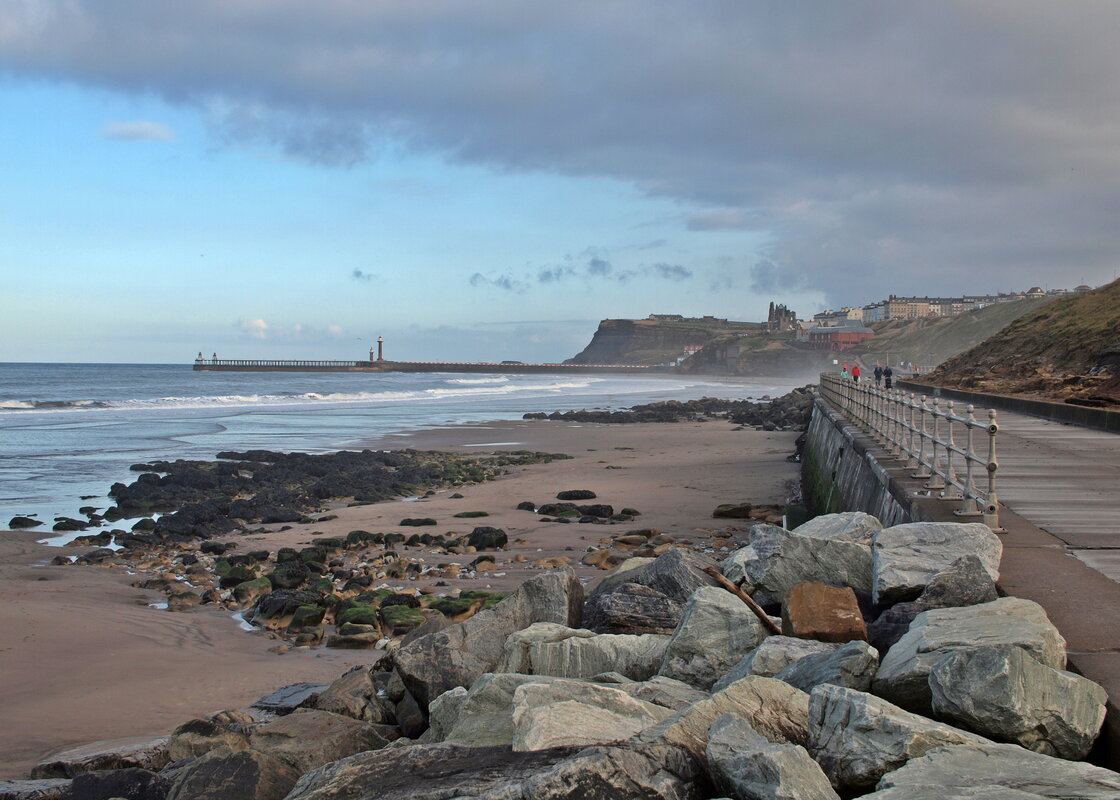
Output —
(936, 481)
(923, 434)
(991, 505)
(968, 505)
(950, 472)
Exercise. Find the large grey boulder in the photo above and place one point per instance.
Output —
(852, 666)
(906, 557)
(847, 526)
(551, 649)
(745, 765)
(953, 793)
(1004, 765)
(772, 707)
(132, 783)
(37, 789)
(857, 737)
(139, 752)
(485, 717)
(716, 631)
(443, 713)
(224, 774)
(1006, 695)
(663, 691)
(354, 694)
(634, 608)
(774, 654)
(776, 560)
(459, 654)
(569, 713)
(308, 738)
(903, 675)
(965, 582)
(675, 574)
(440, 771)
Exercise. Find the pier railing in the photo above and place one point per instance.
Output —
(257, 362)
(923, 432)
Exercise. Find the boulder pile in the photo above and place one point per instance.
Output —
(558, 692)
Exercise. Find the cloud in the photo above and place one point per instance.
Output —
(599, 267)
(672, 272)
(138, 131)
(878, 146)
(361, 275)
(505, 282)
(262, 330)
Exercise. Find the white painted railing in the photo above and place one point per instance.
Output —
(922, 431)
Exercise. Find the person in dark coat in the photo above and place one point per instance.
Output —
(878, 374)
(888, 375)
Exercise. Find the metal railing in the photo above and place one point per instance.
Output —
(922, 431)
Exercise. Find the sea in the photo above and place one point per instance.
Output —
(69, 431)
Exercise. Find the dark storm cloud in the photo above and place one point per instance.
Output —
(879, 145)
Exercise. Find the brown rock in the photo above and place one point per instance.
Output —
(821, 612)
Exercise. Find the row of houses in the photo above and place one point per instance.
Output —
(899, 307)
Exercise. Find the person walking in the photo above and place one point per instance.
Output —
(888, 375)
(855, 372)
(878, 374)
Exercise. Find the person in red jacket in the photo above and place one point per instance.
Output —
(855, 372)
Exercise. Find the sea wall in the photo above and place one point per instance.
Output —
(839, 473)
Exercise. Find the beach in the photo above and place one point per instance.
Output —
(85, 657)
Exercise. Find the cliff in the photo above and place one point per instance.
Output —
(643, 341)
(1068, 349)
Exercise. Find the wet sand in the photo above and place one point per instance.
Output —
(84, 657)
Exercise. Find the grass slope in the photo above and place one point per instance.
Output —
(1067, 349)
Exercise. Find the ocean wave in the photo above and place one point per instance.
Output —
(485, 388)
(500, 379)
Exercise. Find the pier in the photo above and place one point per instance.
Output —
(375, 365)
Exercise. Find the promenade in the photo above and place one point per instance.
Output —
(1059, 490)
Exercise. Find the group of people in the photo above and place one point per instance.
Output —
(882, 373)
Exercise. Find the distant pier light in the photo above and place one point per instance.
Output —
(380, 348)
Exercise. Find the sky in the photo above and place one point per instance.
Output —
(487, 180)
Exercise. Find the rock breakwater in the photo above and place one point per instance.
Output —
(540, 695)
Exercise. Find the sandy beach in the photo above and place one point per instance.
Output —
(84, 656)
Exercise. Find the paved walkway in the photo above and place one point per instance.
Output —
(1059, 486)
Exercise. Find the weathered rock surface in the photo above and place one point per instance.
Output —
(676, 574)
(440, 771)
(634, 608)
(744, 764)
(825, 613)
(354, 694)
(950, 793)
(847, 526)
(307, 739)
(551, 649)
(485, 717)
(857, 737)
(287, 699)
(142, 753)
(131, 783)
(776, 560)
(443, 713)
(716, 631)
(965, 582)
(771, 657)
(1004, 765)
(40, 789)
(772, 707)
(906, 557)
(197, 737)
(573, 714)
(852, 666)
(666, 692)
(903, 676)
(224, 774)
(460, 653)
(1004, 694)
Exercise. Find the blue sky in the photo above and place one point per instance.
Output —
(295, 179)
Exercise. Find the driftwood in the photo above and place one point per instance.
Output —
(746, 598)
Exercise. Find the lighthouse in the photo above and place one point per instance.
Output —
(380, 348)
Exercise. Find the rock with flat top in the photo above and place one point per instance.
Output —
(573, 714)
(852, 666)
(857, 737)
(907, 557)
(287, 699)
(355, 695)
(903, 675)
(307, 739)
(847, 526)
(140, 752)
(551, 649)
(461, 653)
(1003, 766)
(716, 631)
(1004, 694)
(633, 608)
(132, 783)
(744, 764)
(39, 789)
(224, 774)
(666, 692)
(825, 613)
